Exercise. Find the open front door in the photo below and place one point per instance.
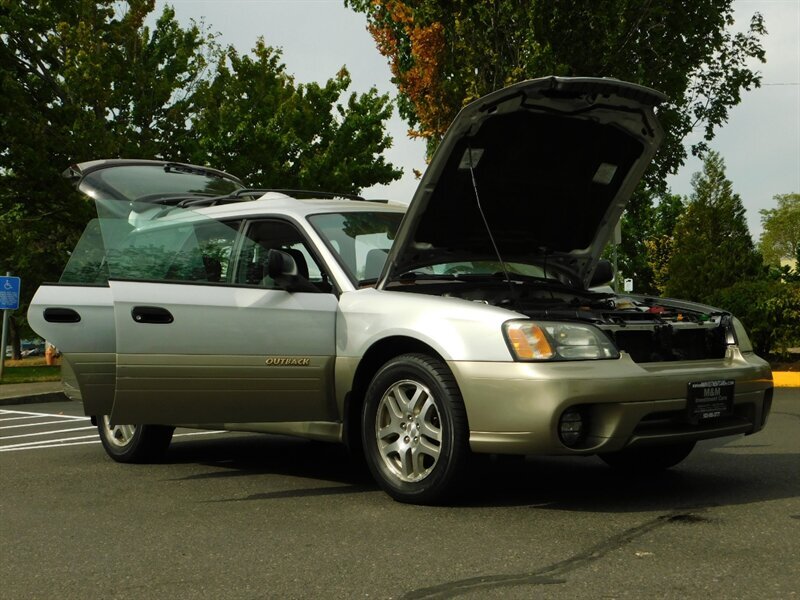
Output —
(206, 336)
(191, 354)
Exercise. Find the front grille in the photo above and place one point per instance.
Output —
(662, 344)
(675, 421)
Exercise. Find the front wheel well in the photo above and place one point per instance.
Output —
(374, 358)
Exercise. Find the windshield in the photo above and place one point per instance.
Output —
(360, 240)
(482, 268)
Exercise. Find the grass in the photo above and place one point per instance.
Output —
(30, 370)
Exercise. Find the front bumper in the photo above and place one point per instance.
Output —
(514, 408)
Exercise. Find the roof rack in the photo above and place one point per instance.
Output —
(297, 193)
(243, 195)
(246, 194)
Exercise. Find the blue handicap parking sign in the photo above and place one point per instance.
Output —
(9, 293)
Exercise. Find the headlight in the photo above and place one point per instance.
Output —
(542, 340)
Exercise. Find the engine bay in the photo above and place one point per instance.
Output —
(648, 329)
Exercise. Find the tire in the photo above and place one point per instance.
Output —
(414, 430)
(650, 459)
(134, 443)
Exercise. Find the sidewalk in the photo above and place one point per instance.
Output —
(31, 393)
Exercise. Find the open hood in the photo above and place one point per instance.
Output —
(553, 162)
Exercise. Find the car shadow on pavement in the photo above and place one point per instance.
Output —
(708, 478)
(248, 455)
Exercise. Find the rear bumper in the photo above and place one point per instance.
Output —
(514, 408)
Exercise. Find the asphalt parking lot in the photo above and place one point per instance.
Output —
(249, 516)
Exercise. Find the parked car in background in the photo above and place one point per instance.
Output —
(465, 323)
(31, 348)
(28, 348)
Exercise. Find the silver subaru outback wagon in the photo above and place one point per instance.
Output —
(476, 321)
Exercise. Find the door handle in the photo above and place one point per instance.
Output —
(61, 315)
(151, 314)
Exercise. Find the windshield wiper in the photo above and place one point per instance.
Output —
(415, 275)
(179, 168)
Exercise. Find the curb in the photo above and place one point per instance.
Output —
(786, 378)
(34, 399)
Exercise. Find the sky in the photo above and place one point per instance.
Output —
(760, 143)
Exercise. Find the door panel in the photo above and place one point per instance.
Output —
(228, 354)
(79, 321)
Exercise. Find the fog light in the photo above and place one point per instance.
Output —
(571, 427)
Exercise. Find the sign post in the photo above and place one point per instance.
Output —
(9, 300)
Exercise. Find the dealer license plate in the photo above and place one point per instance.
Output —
(709, 399)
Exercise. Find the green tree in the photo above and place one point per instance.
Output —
(769, 310)
(444, 53)
(81, 80)
(254, 121)
(712, 247)
(780, 240)
(648, 226)
(86, 79)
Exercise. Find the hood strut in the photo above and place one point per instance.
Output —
(511, 291)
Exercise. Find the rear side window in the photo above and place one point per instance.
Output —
(87, 262)
(198, 251)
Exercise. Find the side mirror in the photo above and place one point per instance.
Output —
(603, 273)
(283, 269)
(280, 264)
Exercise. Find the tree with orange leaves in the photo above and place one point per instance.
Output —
(445, 53)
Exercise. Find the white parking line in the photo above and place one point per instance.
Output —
(3, 419)
(38, 424)
(29, 447)
(35, 414)
(41, 443)
(22, 435)
(75, 440)
(13, 415)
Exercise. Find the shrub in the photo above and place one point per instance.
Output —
(770, 310)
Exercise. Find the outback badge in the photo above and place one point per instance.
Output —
(288, 361)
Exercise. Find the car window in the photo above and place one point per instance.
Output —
(87, 262)
(263, 236)
(361, 240)
(197, 252)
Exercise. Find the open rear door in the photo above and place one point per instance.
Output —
(79, 321)
(77, 316)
